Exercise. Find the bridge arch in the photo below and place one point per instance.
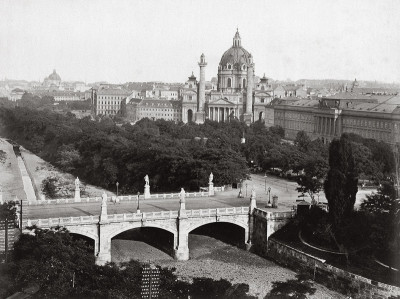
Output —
(139, 225)
(86, 233)
(211, 221)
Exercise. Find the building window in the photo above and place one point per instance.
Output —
(229, 82)
(244, 80)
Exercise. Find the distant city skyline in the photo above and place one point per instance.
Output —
(124, 41)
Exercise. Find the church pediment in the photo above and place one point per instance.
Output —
(262, 94)
(221, 101)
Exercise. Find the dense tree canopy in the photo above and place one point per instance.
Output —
(341, 183)
(175, 155)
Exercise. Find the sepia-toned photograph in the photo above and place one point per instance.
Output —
(177, 149)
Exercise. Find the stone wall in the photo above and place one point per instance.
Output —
(334, 278)
(265, 224)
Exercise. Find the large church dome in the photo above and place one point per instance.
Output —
(235, 57)
(54, 76)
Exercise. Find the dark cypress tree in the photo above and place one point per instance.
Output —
(341, 183)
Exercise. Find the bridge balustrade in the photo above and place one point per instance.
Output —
(120, 198)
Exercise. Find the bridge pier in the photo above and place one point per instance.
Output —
(103, 255)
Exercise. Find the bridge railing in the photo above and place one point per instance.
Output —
(273, 215)
(120, 198)
(65, 221)
(62, 221)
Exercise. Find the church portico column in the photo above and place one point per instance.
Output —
(247, 117)
(200, 114)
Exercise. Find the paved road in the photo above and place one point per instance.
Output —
(285, 190)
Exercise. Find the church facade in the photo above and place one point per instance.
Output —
(236, 96)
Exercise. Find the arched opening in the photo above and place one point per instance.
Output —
(143, 244)
(89, 242)
(190, 115)
(244, 83)
(229, 82)
(219, 238)
(261, 116)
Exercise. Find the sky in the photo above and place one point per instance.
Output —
(125, 41)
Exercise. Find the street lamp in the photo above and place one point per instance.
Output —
(117, 187)
(138, 208)
(240, 190)
(269, 195)
(265, 182)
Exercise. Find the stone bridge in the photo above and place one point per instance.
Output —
(180, 223)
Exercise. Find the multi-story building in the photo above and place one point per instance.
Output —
(67, 96)
(376, 117)
(111, 101)
(16, 94)
(170, 94)
(153, 109)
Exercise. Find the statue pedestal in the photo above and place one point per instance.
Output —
(200, 117)
(147, 192)
(211, 189)
(103, 215)
(247, 118)
(77, 195)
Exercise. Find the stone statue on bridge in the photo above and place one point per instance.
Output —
(147, 194)
(77, 183)
(253, 202)
(253, 192)
(182, 195)
(182, 204)
(104, 198)
(210, 180)
(103, 215)
(77, 197)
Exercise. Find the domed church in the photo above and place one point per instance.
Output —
(53, 80)
(236, 97)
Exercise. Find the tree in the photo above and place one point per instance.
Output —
(381, 202)
(341, 183)
(302, 141)
(69, 157)
(309, 185)
(50, 258)
(385, 210)
(7, 210)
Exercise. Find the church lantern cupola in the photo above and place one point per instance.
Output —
(236, 39)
